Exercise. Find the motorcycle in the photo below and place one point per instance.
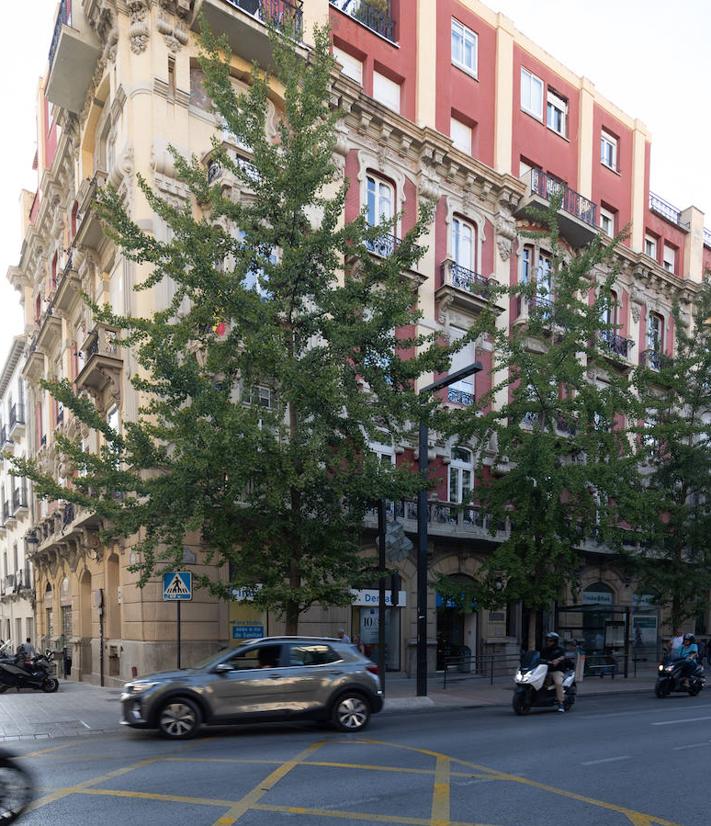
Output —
(16, 788)
(34, 673)
(533, 690)
(670, 678)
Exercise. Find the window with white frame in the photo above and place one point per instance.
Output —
(608, 150)
(526, 264)
(531, 94)
(462, 391)
(461, 135)
(557, 113)
(607, 221)
(464, 47)
(461, 475)
(351, 66)
(463, 243)
(655, 332)
(650, 246)
(386, 91)
(609, 312)
(380, 200)
(544, 277)
(384, 452)
(669, 258)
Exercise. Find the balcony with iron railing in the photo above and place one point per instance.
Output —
(443, 519)
(73, 55)
(654, 359)
(17, 420)
(101, 354)
(375, 15)
(616, 344)
(577, 215)
(666, 210)
(464, 288)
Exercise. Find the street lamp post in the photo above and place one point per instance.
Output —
(422, 529)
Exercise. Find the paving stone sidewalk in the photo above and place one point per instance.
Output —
(81, 709)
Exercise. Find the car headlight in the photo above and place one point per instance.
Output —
(138, 688)
(661, 668)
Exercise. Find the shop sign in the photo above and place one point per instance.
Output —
(245, 594)
(597, 598)
(247, 631)
(372, 597)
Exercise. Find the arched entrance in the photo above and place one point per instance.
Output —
(456, 619)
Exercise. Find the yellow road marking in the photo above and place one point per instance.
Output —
(58, 794)
(248, 801)
(168, 798)
(440, 794)
(40, 752)
(368, 817)
(635, 817)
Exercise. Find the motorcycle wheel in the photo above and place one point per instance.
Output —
(661, 690)
(50, 685)
(521, 704)
(694, 690)
(16, 790)
(569, 703)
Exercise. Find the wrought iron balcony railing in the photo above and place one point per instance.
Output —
(384, 245)
(376, 16)
(459, 396)
(618, 344)
(546, 186)
(465, 279)
(285, 15)
(654, 359)
(64, 18)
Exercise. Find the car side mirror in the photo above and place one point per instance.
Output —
(223, 668)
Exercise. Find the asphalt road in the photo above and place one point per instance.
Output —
(614, 760)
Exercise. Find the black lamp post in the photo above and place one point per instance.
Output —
(470, 370)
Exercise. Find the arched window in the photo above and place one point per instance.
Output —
(381, 198)
(461, 475)
(464, 244)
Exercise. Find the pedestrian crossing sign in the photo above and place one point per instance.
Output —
(177, 585)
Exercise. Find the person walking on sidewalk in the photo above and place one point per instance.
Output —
(554, 655)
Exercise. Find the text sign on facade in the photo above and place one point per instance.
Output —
(177, 586)
(246, 632)
(371, 598)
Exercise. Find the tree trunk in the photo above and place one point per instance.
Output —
(532, 618)
(292, 618)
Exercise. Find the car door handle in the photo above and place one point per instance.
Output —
(335, 673)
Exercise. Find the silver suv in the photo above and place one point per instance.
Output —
(274, 678)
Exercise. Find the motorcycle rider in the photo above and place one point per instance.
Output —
(554, 655)
(689, 652)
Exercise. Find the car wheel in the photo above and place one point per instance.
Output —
(179, 719)
(351, 712)
(50, 685)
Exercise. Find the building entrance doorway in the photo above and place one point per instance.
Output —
(456, 622)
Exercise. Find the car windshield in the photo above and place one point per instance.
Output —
(530, 659)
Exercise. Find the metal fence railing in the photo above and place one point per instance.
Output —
(479, 667)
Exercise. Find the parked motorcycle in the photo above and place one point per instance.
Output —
(670, 678)
(35, 673)
(16, 788)
(533, 690)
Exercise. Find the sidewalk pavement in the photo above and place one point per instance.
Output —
(85, 709)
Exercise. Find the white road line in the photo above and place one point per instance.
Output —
(678, 722)
(692, 746)
(84, 724)
(606, 760)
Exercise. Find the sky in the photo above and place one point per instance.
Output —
(649, 57)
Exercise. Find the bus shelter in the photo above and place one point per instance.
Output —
(615, 639)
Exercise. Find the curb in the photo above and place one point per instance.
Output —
(400, 705)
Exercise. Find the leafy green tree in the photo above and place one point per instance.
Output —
(674, 449)
(562, 457)
(283, 353)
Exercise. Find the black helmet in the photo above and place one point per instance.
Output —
(551, 635)
(689, 638)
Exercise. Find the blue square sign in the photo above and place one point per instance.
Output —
(177, 585)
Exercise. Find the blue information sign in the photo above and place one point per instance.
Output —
(177, 586)
(247, 632)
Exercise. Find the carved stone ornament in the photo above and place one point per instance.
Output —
(505, 232)
(636, 301)
(139, 31)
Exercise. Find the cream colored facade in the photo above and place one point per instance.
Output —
(16, 575)
(123, 83)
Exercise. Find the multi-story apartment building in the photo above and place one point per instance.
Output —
(443, 100)
(16, 577)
